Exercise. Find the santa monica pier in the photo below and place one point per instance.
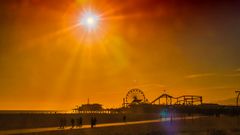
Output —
(135, 101)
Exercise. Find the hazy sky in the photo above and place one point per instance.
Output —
(48, 61)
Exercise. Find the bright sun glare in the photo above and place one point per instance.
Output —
(90, 20)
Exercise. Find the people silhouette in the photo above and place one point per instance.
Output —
(73, 123)
(124, 118)
(61, 123)
(92, 122)
(64, 122)
(79, 122)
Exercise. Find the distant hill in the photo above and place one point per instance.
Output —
(229, 101)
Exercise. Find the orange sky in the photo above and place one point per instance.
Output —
(48, 61)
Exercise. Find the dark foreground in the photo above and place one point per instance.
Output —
(38, 120)
(223, 125)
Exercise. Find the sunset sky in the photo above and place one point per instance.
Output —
(49, 61)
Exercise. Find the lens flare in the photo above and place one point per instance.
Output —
(90, 20)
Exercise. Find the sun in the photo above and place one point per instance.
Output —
(89, 20)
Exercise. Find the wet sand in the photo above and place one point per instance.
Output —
(223, 125)
(38, 120)
(37, 130)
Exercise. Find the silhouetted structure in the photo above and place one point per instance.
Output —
(238, 94)
(134, 96)
(182, 100)
(189, 99)
(136, 102)
(168, 99)
(89, 108)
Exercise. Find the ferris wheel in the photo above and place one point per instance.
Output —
(135, 96)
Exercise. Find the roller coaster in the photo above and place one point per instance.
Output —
(182, 100)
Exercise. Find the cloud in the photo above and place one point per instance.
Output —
(200, 75)
(232, 75)
(214, 88)
(236, 73)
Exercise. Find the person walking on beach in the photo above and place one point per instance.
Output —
(92, 122)
(79, 122)
(61, 123)
(124, 118)
(73, 123)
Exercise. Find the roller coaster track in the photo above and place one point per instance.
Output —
(181, 100)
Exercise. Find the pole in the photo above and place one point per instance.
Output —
(238, 94)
